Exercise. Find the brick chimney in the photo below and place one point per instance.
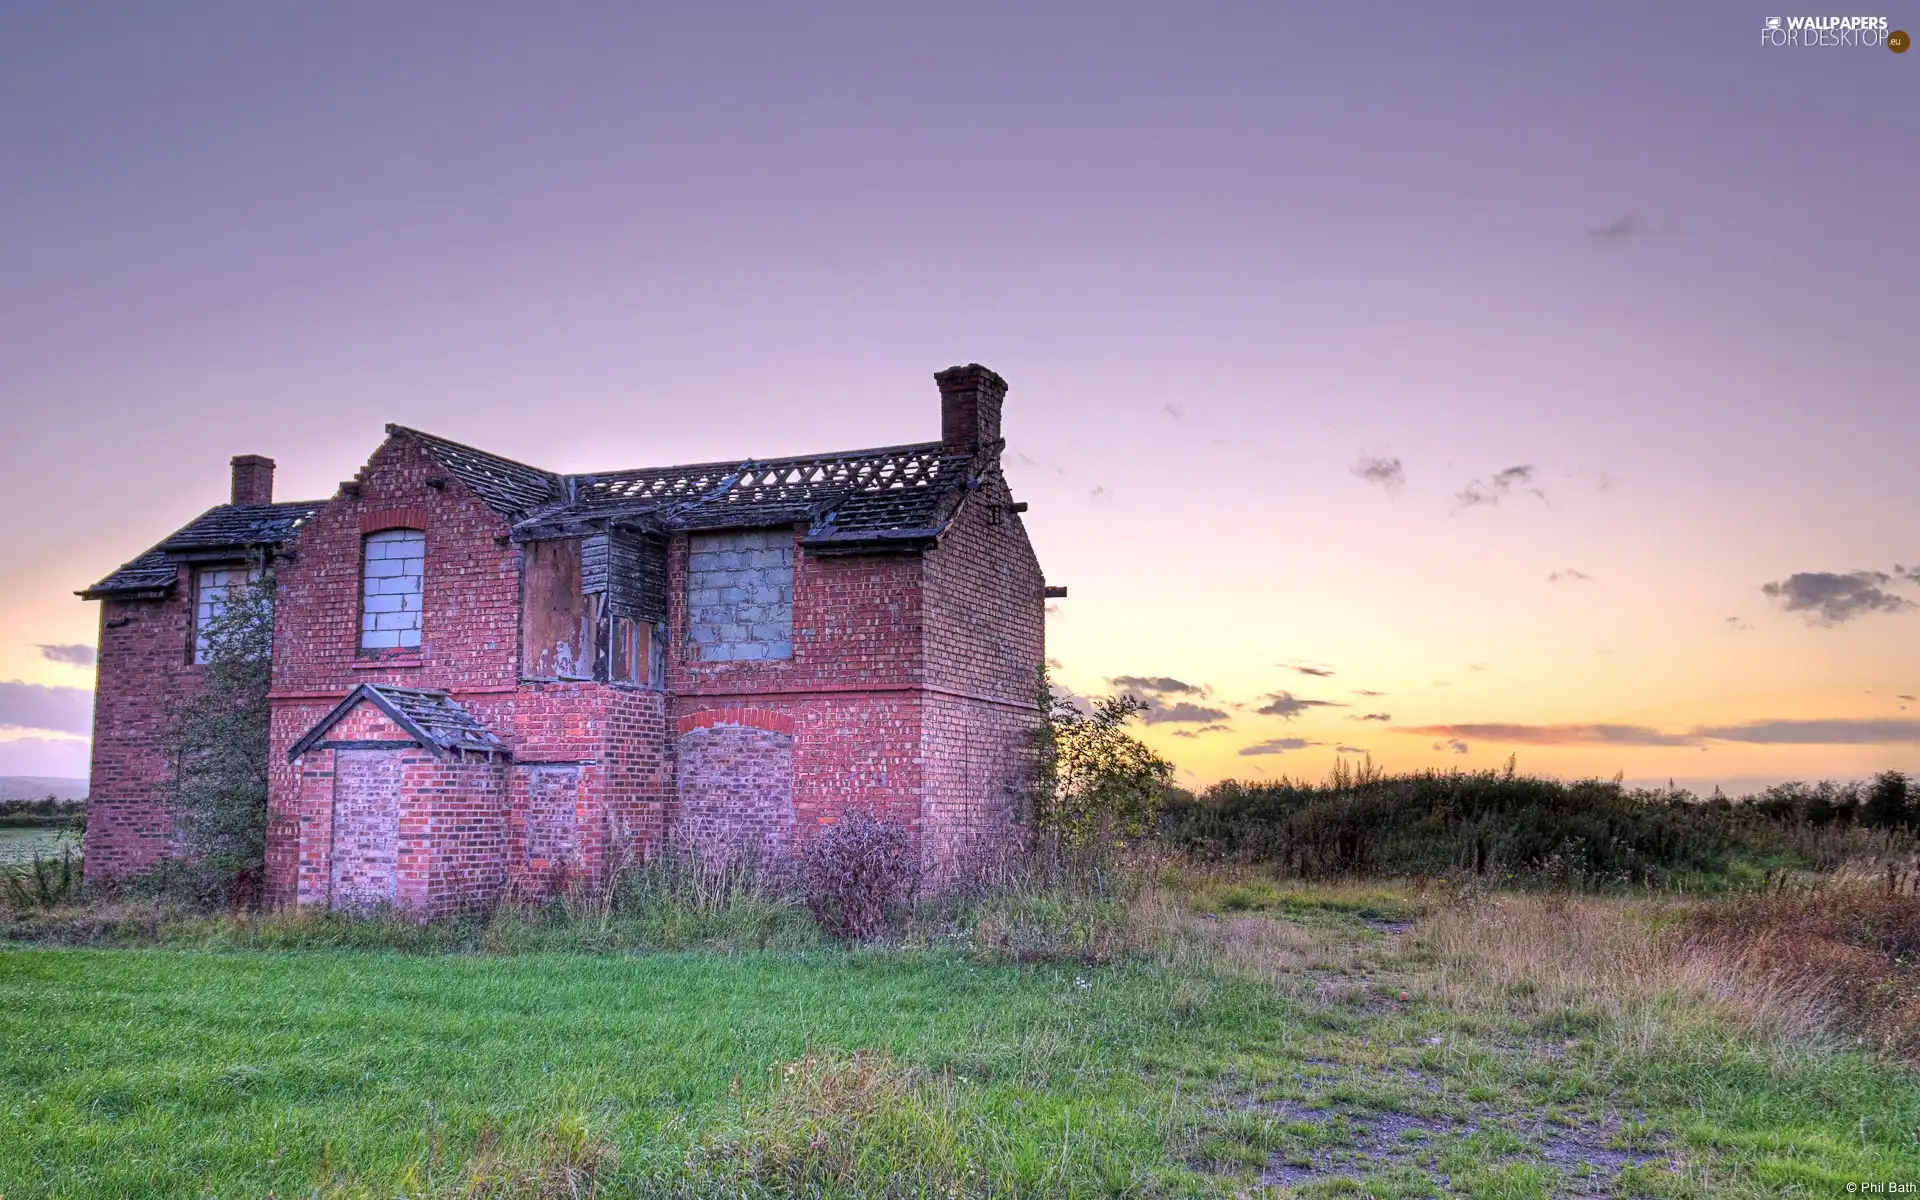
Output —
(252, 479)
(970, 399)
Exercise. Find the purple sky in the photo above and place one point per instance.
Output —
(1222, 253)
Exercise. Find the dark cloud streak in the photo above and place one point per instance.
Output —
(37, 706)
(1829, 598)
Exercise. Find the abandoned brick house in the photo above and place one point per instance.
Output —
(488, 674)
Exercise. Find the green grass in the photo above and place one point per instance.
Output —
(332, 1072)
(18, 846)
(132, 1073)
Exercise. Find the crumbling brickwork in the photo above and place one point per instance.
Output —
(563, 671)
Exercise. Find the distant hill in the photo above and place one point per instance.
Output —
(34, 787)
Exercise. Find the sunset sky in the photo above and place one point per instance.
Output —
(1447, 382)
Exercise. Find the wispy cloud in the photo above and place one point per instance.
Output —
(1835, 732)
(1350, 749)
(37, 706)
(1181, 713)
(1289, 706)
(1557, 735)
(72, 653)
(1100, 492)
(1309, 669)
(1455, 745)
(1158, 685)
(1174, 411)
(1365, 692)
(1388, 474)
(1277, 746)
(1371, 717)
(1827, 598)
(1626, 225)
(1838, 731)
(1492, 491)
(1568, 573)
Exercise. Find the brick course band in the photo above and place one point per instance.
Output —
(752, 718)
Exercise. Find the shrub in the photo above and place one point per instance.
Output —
(1851, 948)
(1097, 785)
(1888, 803)
(1503, 825)
(42, 883)
(855, 872)
(217, 738)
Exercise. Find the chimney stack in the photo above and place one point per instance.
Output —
(970, 399)
(252, 479)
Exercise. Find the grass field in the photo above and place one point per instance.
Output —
(20, 845)
(1311, 1042)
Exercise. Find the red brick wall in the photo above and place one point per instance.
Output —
(909, 693)
(328, 809)
(470, 600)
(469, 628)
(453, 833)
(639, 773)
(856, 624)
(985, 641)
(736, 785)
(851, 689)
(364, 855)
(142, 665)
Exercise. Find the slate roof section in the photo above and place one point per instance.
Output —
(889, 497)
(509, 488)
(231, 525)
(227, 529)
(432, 718)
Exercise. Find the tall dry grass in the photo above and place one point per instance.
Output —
(1784, 969)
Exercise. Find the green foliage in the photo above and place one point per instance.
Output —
(1888, 803)
(1097, 785)
(217, 739)
(1504, 825)
(41, 883)
(50, 812)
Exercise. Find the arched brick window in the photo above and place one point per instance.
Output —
(391, 578)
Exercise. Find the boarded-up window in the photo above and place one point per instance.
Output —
(632, 650)
(740, 595)
(560, 626)
(391, 586)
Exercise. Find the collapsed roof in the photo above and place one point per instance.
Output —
(853, 501)
(887, 498)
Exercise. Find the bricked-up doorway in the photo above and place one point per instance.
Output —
(366, 828)
(735, 787)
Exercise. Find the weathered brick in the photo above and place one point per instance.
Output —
(795, 687)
